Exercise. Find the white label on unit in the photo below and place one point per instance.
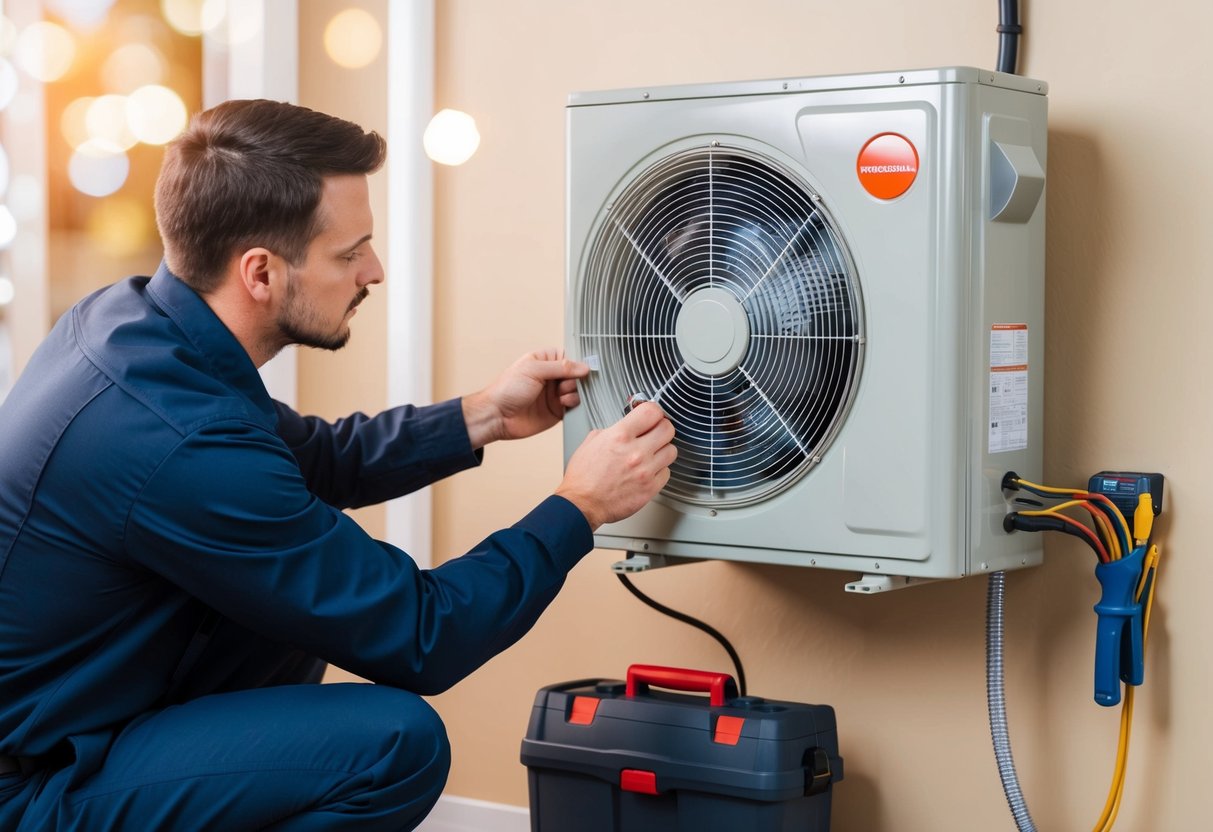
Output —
(1008, 387)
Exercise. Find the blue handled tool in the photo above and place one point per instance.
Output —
(1118, 639)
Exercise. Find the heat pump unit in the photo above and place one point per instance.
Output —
(834, 287)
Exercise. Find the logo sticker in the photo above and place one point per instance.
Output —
(887, 165)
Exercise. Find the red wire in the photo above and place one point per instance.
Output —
(1099, 547)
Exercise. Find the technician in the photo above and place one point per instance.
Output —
(175, 565)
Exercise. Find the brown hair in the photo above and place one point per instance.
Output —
(250, 173)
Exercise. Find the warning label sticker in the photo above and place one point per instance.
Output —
(1008, 388)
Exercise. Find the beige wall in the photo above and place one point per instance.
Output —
(333, 385)
(1129, 274)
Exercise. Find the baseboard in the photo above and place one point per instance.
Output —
(463, 814)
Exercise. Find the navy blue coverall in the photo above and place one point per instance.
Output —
(175, 565)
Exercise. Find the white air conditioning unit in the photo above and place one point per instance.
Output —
(835, 289)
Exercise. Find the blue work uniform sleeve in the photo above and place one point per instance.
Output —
(229, 519)
(362, 460)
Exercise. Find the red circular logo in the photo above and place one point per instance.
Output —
(887, 165)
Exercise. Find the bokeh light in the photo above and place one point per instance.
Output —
(8, 82)
(25, 197)
(451, 137)
(183, 15)
(73, 124)
(4, 172)
(107, 123)
(193, 17)
(7, 291)
(155, 114)
(45, 50)
(8, 35)
(8, 228)
(81, 13)
(97, 169)
(353, 38)
(132, 66)
(120, 226)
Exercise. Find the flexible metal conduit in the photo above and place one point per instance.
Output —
(996, 697)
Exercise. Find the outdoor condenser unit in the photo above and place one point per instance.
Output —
(834, 287)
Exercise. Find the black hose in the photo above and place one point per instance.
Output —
(1009, 31)
(694, 622)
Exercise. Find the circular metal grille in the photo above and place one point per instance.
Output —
(717, 286)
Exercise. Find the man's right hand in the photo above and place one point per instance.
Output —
(616, 471)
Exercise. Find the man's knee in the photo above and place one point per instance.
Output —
(415, 755)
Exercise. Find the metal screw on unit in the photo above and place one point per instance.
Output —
(813, 562)
(646, 547)
(785, 85)
(1039, 87)
(646, 95)
(712, 512)
(815, 197)
(715, 143)
(901, 79)
(878, 566)
(985, 566)
(1023, 562)
(815, 459)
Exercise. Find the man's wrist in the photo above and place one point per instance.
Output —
(482, 419)
(585, 506)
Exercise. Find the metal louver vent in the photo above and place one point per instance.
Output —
(717, 285)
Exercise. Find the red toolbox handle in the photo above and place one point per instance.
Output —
(720, 685)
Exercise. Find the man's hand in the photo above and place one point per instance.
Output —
(529, 397)
(616, 471)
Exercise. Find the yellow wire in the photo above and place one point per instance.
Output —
(1072, 491)
(1110, 540)
(1116, 791)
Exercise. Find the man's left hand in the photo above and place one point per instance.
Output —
(529, 397)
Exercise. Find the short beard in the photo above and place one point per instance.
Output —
(299, 324)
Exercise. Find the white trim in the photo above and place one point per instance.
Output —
(463, 814)
(410, 232)
(265, 65)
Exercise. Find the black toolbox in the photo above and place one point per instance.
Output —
(611, 756)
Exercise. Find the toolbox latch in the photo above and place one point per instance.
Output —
(817, 774)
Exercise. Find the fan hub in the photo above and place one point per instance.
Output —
(712, 331)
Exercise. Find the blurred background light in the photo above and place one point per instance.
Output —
(120, 226)
(451, 137)
(8, 231)
(7, 291)
(81, 13)
(98, 169)
(183, 15)
(4, 172)
(155, 114)
(353, 38)
(8, 82)
(45, 50)
(73, 123)
(25, 197)
(132, 66)
(8, 35)
(106, 122)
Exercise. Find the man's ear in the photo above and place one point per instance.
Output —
(260, 273)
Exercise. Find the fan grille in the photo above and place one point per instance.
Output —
(717, 285)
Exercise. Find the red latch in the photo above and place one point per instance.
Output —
(637, 780)
(728, 729)
(584, 708)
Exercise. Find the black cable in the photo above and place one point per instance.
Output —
(1009, 31)
(694, 622)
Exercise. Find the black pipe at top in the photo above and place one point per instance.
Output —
(1009, 31)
